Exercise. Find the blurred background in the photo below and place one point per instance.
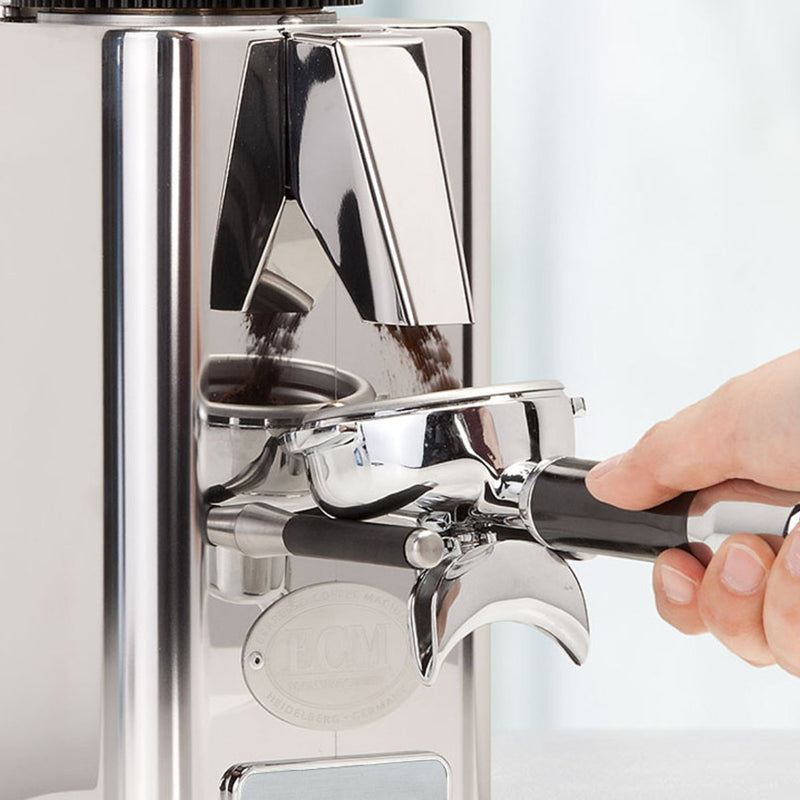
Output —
(646, 248)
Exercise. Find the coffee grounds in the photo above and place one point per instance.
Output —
(271, 336)
(429, 353)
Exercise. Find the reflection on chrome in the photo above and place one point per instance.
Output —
(451, 448)
(513, 581)
(361, 154)
(739, 506)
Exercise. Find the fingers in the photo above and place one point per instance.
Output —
(749, 428)
(782, 606)
(677, 577)
(727, 598)
(694, 449)
(731, 597)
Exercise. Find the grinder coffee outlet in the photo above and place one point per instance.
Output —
(244, 304)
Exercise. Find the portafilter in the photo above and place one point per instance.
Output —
(492, 469)
(485, 457)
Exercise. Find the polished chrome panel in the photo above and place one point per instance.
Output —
(451, 718)
(412, 776)
(362, 102)
(383, 215)
(512, 581)
(255, 180)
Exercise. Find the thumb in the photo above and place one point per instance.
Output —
(694, 449)
(749, 428)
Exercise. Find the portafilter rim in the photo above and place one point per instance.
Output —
(338, 415)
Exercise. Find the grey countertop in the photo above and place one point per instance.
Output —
(646, 765)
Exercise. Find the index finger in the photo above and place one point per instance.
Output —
(694, 449)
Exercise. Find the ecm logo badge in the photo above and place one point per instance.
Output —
(330, 656)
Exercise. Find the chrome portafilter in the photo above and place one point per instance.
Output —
(505, 455)
(493, 469)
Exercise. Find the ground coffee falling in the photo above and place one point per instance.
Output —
(429, 353)
(271, 336)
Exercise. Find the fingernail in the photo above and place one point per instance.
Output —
(793, 555)
(678, 588)
(743, 571)
(604, 467)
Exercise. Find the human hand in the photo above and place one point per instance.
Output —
(748, 596)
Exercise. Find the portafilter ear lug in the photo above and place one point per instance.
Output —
(508, 581)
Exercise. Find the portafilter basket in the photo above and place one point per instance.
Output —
(239, 444)
(239, 452)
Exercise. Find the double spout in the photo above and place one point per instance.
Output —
(337, 159)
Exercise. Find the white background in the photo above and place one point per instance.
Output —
(646, 248)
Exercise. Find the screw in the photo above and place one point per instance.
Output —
(255, 660)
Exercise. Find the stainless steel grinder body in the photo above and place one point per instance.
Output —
(123, 631)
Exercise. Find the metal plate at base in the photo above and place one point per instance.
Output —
(331, 656)
(412, 776)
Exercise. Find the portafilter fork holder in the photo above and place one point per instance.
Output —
(240, 455)
(253, 487)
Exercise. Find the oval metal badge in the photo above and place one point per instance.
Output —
(330, 656)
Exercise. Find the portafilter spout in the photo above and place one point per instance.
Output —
(507, 581)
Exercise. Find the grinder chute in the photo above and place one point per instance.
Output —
(342, 127)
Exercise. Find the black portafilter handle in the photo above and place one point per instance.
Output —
(565, 516)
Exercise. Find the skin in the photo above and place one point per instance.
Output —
(745, 436)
